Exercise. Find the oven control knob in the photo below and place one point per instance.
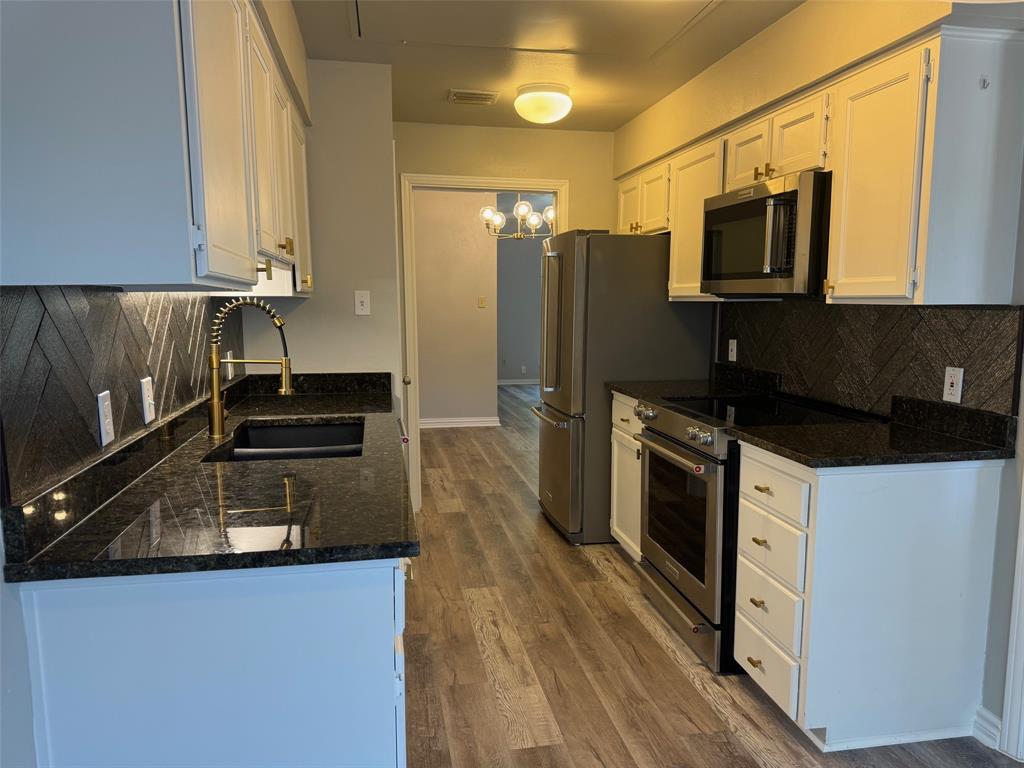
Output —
(646, 413)
(706, 438)
(692, 433)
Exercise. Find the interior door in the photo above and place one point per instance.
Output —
(561, 343)
(218, 139)
(877, 144)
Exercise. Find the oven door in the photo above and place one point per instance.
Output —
(682, 517)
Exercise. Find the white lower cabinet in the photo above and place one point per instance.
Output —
(625, 477)
(260, 667)
(862, 594)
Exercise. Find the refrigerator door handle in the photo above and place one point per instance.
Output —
(551, 349)
(543, 417)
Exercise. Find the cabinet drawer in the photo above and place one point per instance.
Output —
(775, 490)
(776, 673)
(769, 605)
(773, 544)
(623, 416)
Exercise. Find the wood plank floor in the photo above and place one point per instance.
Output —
(523, 651)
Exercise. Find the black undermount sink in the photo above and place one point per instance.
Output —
(253, 441)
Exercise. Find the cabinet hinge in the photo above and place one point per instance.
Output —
(399, 686)
(198, 237)
(914, 277)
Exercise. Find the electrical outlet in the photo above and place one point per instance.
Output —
(522, 370)
(106, 413)
(953, 385)
(229, 367)
(362, 302)
(148, 404)
(732, 350)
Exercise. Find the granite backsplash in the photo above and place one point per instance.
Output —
(61, 346)
(860, 356)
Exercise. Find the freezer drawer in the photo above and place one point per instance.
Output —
(561, 465)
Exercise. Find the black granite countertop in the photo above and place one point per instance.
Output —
(185, 514)
(917, 432)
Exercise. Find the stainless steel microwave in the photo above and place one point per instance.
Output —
(768, 239)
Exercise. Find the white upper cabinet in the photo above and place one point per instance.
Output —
(629, 205)
(748, 151)
(282, 141)
(265, 166)
(654, 187)
(124, 132)
(696, 175)
(798, 136)
(300, 206)
(878, 133)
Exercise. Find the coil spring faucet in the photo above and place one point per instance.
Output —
(217, 412)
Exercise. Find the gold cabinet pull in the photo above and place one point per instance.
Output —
(623, 418)
(308, 281)
(763, 488)
(757, 173)
(768, 170)
(757, 603)
(755, 663)
(267, 269)
(288, 246)
(759, 542)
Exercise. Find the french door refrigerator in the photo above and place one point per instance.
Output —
(605, 317)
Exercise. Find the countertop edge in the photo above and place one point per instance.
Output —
(23, 572)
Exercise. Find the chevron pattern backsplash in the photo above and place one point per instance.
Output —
(61, 346)
(860, 356)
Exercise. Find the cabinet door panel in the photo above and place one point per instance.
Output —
(748, 151)
(696, 175)
(261, 96)
(282, 138)
(629, 204)
(300, 206)
(654, 186)
(876, 174)
(222, 186)
(625, 489)
(798, 136)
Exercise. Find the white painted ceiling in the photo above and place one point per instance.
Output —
(617, 56)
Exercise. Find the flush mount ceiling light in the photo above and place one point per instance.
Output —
(543, 102)
(528, 221)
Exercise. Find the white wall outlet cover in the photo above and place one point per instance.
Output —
(148, 403)
(106, 414)
(522, 370)
(732, 350)
(229, 368)
(362, 302)
(953, 385)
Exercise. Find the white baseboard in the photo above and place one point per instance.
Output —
(842, 745)
(987, 728)
(460, 421)
(513, 382)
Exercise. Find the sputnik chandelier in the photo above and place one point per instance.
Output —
(528, 221)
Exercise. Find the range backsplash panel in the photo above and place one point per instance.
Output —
(61, 346)
(860, 356)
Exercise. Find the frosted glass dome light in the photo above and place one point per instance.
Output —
(543, 102)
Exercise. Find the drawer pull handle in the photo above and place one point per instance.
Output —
(763, 488)
(624, 420)
(757, 603)
(759, 542)
(755, 663)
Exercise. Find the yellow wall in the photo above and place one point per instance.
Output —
(582, 157)
(812, 42)
(279, 19)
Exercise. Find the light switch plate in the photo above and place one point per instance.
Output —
(148, 403)
(732, 350)
(953, 385)
(362, 302)
(106, 413)
(229, 367)
(481, 302)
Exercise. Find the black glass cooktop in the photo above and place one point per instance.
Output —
(768, 410)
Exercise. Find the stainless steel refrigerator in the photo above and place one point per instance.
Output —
(605, 316)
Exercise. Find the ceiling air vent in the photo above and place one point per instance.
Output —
(469, 96)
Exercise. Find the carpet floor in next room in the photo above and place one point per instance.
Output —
(523, 651)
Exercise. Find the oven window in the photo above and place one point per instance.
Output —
(677, 514)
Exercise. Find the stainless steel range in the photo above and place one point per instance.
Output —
(690, 471)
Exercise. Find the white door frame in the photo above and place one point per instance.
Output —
(1011, 727)
(410, 183)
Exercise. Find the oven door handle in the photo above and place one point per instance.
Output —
(665, 453)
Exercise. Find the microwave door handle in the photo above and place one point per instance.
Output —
(769, 234)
